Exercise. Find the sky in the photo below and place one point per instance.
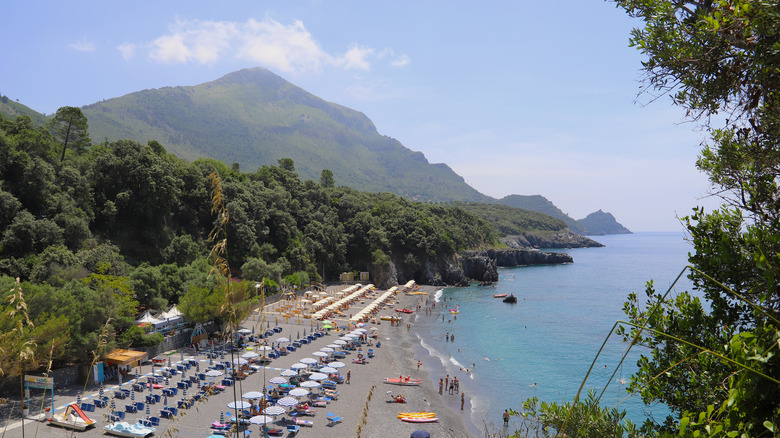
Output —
(518, 97)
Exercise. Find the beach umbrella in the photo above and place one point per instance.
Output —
(120, 379)
(298, 392)
(169, 361)
(197, 366)
(340, 342)
(288, 373)
(113, 405)
(261, 419)
(132, 394)
(320, 354)
(282, 340)
(332, 346)
(213, 373)
(137, 375)
(348, 338)
(277, 380)
(274, 410)
(240, 361)
(251, 395)
(250, 355)
(78, 398)
(181, 353)
(308, 361)
(298, 366)
(327, 349)
(420, 434)
(327, 326)
(287, 401)
(328, 370)
(211, 358)
(337, 364)
(165, 400)
(148, 411)
(264, 348)
(100, 390)
(244, 331)
(310, 384)
(184, 393)
(318, 376)
(239, 404)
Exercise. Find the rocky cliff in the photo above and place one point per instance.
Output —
(561, 239)
(462, 269)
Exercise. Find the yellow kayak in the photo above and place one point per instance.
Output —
(416, 414)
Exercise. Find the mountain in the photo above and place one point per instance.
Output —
(253, 117)
(596, 223)
(14, 109)
(600, 222)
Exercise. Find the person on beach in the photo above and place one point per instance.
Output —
(506, 418)
(452, 336)
(446, 381)
(441, 385)
(462, 400)
(349, 375)
(418, 364)
(447, 337)
(457, 384)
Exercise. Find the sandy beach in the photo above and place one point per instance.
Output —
(362, 403)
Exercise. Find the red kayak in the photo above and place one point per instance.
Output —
(419, 419)
(404, 310)
(499, 296)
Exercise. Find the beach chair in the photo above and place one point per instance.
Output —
(137, 387)
(131, 409)
(87, 407)
(140, 406)
(333, 419)
(116, 416)
(150, 399)
(119, 394)
(302, 422)
(293, 429)
(101, 402)
(166, 413)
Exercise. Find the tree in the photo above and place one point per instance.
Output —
(714, 363)
(326, 179)
(69, 126)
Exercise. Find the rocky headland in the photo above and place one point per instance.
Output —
(561, 239)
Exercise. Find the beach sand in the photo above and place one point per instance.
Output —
(362, 403)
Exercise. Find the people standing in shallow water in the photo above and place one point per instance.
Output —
(506, 417)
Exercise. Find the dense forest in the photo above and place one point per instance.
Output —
(97, 232)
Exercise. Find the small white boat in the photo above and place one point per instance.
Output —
(123, 428)
(72, 418)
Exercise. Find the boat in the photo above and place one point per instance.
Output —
(499, 295)
(72, 418)
(123, 428)
(403, 382)
(510, 299)
(390, 318)
(404, 310)
(417, 293)
(416, 414)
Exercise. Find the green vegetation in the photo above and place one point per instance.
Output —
(120, 226)
(712, 353)
(513, 221)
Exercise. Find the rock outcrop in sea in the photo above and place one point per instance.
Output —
(462, 269)
(561, 239)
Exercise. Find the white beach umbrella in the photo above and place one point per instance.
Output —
(340, 342)
(308, 361)
(298, 392)
(287, 401)
(361, 330)
(332, 346)
(240, 361)
(282, 340)
(320, 354)
(318, 376)
(251, 395)
(328, 370)
(244, 331)
(298, 366)
(288, 373)
(239, 405)
(261, 419)
(309, 384)
(277, 380)
(214, 373)
(274, 410)
(348, 338)
(250, 355)
(327, 349)
(264, 348)
(337, 364)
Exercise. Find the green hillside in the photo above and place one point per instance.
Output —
(542, 205)
(12, 110)
(253, 117)
(514, 221)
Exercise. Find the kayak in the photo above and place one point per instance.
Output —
(417, 415)
(419, 420)
(403, 382)
(499, 295)
(404, 310)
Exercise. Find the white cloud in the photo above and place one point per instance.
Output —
(82, 46)
(289, 48)
(127, 50)
(355, 58)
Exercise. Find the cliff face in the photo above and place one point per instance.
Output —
(462, 269)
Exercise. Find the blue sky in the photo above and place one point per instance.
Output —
(522, 97)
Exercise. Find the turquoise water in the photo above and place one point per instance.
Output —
(543, 345)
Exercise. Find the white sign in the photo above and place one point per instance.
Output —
(39, 382)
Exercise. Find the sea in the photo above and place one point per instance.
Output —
(543, 345)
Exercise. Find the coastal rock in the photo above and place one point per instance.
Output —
(385, 276)
(561, 239)
(519, 257)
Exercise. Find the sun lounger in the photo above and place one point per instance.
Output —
(131, 409)
(293, 429)
(333, 419)
(302, 422)
(220, 426)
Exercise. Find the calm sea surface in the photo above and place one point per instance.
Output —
(543, 345)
